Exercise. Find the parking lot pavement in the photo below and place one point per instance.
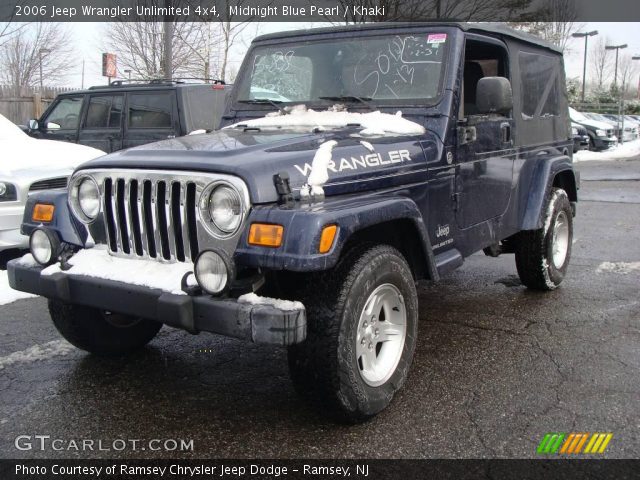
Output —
(496, 367)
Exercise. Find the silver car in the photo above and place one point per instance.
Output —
(28, 165)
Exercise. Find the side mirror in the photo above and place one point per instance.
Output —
(33, 124)
(494, 95)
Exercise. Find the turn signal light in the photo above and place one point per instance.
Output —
(42, 212)
(266, 235)
(327, 237)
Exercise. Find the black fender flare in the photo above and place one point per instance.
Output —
(303, 226)
(550, 172)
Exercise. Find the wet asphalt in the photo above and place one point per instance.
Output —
(496, 367)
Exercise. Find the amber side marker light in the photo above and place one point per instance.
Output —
(327, 237)
(42, 212)
(266, 235)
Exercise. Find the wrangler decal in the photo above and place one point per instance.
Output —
(362, 161)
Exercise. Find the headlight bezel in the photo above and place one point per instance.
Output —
(10, 193)
(74, 198)
(204, 209)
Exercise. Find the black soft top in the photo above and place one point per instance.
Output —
(496, 29)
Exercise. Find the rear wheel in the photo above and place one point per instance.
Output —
(101, 332)
(362, 328)
(542, 256)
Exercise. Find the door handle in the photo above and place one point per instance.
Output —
(505, 131)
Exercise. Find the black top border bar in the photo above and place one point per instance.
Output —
(336, 11)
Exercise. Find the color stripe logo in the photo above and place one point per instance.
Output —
(574, 443)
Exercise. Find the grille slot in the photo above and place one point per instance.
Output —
(49, 184)
(155, 219)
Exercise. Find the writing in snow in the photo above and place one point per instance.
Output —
(235, 10)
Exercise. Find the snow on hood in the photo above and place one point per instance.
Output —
(9, 130)
(26, 154)
(583, 120)
(373, 123)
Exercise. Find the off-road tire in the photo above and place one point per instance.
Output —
(324, 367)
(534, 248)
(88, 329)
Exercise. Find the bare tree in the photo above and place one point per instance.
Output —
(37, 49)
(139, 47)
(626, 72)
(601, 62)
(555, 22)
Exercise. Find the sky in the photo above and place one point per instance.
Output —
(89, 37)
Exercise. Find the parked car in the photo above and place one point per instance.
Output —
(308, 223)
(630, 131)
(124, 115)
(601, 134)
(633, 124)
(580, 137)
(27, 166)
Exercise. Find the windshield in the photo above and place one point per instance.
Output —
(388, 69)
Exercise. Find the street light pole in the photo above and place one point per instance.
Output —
(617, 49)
(586, 36)
(42, 51)
(637, 57)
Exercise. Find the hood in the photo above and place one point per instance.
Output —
(256, 154)
(34, 158)
(594, 124)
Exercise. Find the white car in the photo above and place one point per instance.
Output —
(27, 165)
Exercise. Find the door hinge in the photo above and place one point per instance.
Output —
(466, 135)
(455, 199)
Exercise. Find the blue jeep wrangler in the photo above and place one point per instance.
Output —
(353, 163)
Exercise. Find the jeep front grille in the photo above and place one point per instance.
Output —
(151, 218)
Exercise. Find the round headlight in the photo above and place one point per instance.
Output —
(44, 246)
(212, 272)
(89, 198)
(225, 208)
(3, 188)
(85, 198)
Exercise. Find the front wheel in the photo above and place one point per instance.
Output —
(542, 256)
(101, 332)
(362, 328)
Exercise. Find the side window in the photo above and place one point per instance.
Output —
(480, 60)
(65, 115)
(539, 88)
(150, 110)
(104, 111)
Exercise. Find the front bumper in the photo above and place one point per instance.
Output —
(10, 219)
(202, 313)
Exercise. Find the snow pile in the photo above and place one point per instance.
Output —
(621, 152)
(319, 169)
(253, 299)
(373, 123)
(27, 261)
(96, 262)
(37, 352)
(618, 267)
(8, 294)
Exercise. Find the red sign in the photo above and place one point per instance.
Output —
(109, 65)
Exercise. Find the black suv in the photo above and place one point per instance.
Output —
(127, 114)
(354, 162)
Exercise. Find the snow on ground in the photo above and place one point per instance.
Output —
(621, 152)
(253, 299)
(8, 294)
(36, 353)
(96, 262)
(373, 123)
(618, 267)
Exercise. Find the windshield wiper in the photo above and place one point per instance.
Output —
(266, 101)
(351, 98)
